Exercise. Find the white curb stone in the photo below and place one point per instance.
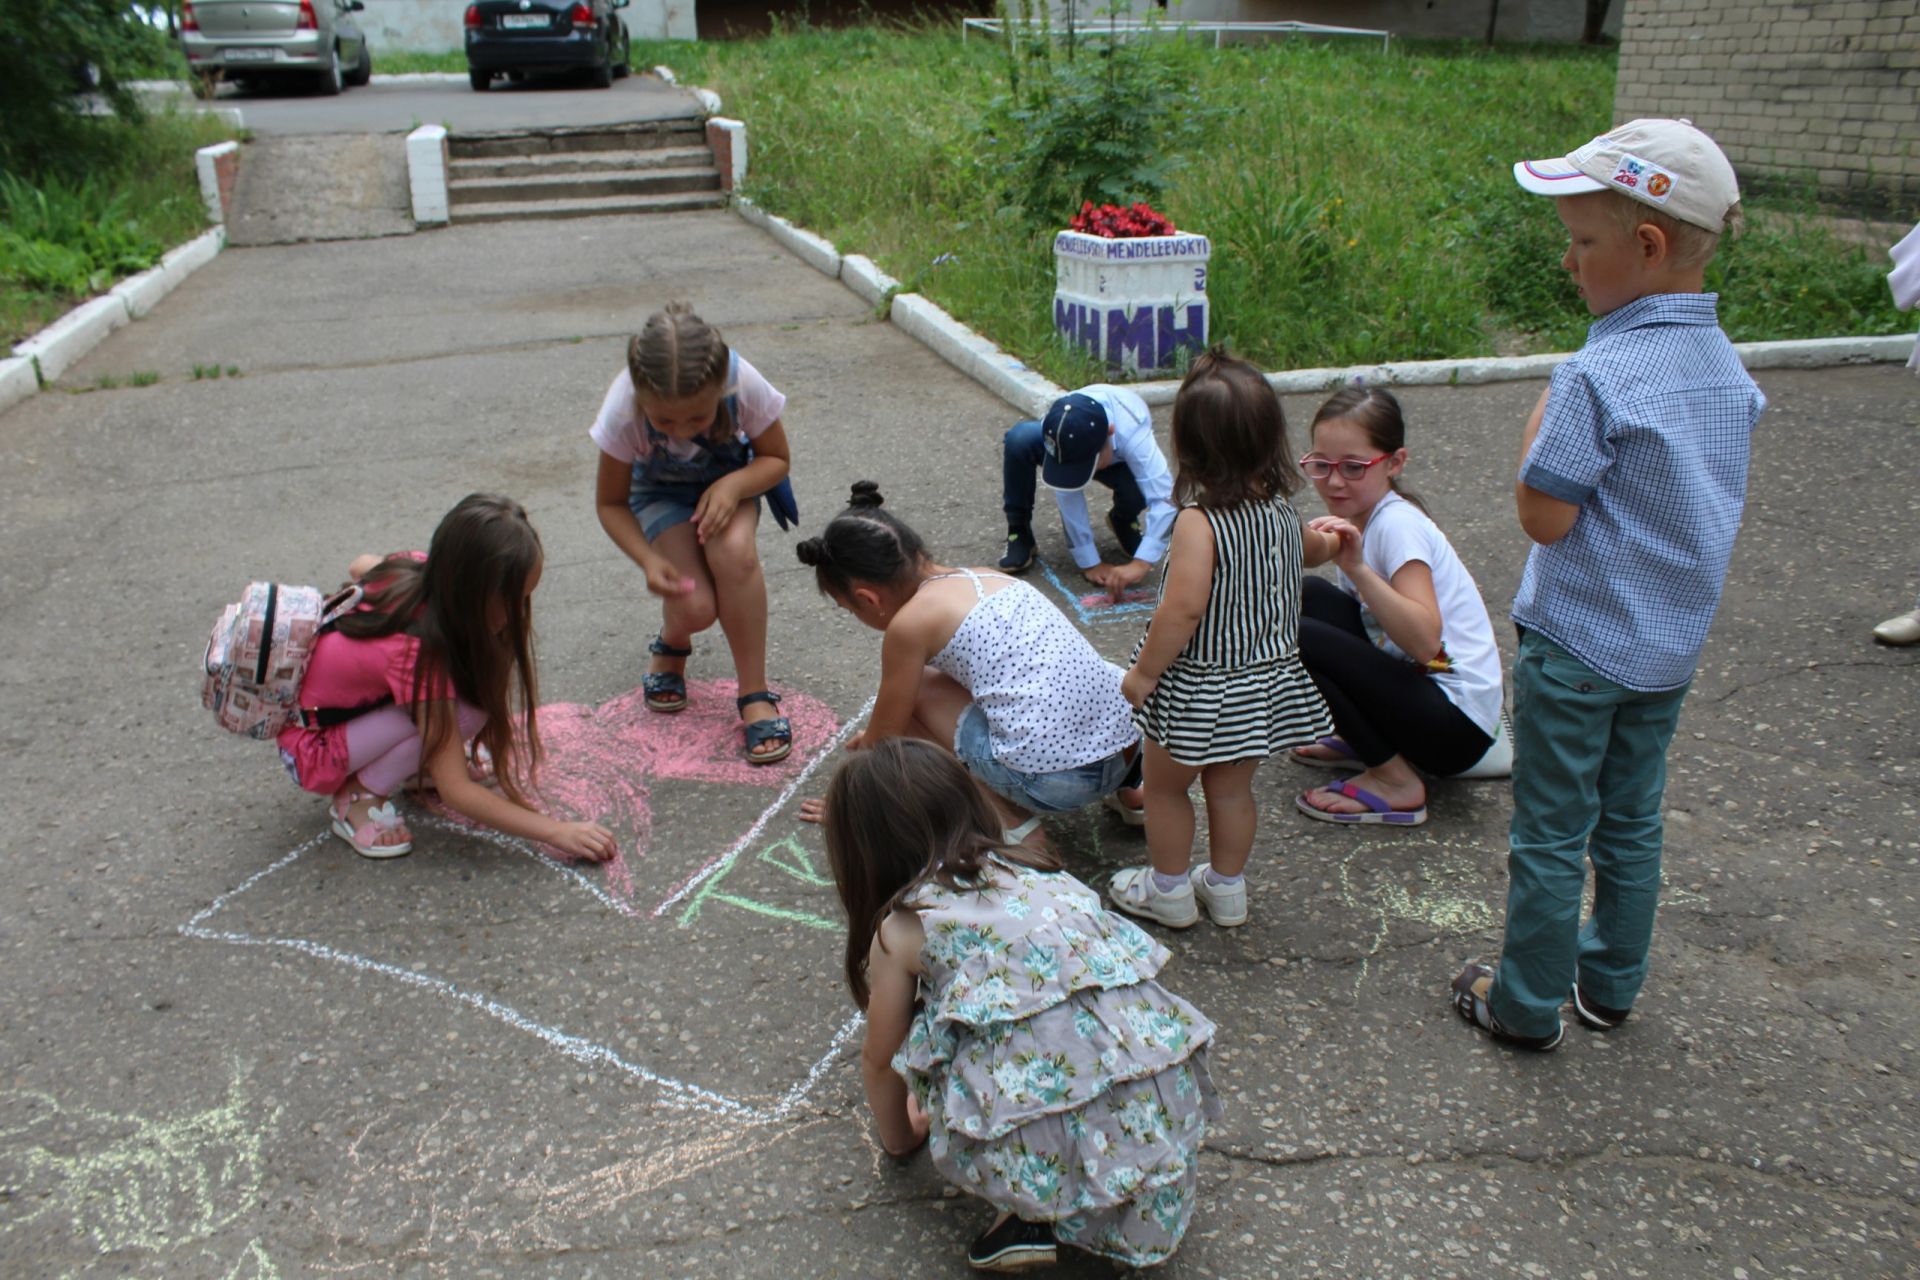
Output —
(864, 276)
(206, 162)
(1819, 353)
(191, 256)
(427, 174)
(56, 348)
(142, 293)
(709, 100)
(17, 381)
(752, 213)
(666, 73)
(805, 245)
(973, 355)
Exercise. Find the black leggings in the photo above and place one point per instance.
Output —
(1382, 705)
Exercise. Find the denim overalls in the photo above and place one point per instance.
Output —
(666, 488)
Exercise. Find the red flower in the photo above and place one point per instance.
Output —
(1115, 222)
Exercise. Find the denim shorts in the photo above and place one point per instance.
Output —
(1058, 792)
(659, 507)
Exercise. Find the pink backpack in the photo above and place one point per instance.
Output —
(258, 653)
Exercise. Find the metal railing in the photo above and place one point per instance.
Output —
(1100, 27)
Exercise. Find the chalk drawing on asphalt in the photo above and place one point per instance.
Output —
(680, 751)
(1446, 892)
(1094, 609)
(128, 1181)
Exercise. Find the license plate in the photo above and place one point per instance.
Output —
(249, 55)
(523, 19)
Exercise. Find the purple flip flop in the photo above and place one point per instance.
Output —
(1345, 759)
(1379, 811)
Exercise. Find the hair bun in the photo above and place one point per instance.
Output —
(813, 552)
(865, 496)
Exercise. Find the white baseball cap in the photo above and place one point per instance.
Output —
(1668, 164)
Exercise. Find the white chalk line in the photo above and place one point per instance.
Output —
(580, 1049)
(726, 859)
(503, 841)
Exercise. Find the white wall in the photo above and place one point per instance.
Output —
(434, 26)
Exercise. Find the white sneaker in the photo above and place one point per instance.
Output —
(1128, 814)
(1132, 891)
(1226, 904)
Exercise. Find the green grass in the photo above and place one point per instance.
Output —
(399, 64)
(64, 239)
(1361, 206)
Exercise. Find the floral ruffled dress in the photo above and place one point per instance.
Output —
(1061, 1081)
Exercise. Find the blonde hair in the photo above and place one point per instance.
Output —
(1688, 244)
(676, 354)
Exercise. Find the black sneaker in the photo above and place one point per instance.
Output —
(1470, 1002)
(1013, 1244)
(1593, 1015)
(1019, 557)
(1128, 534)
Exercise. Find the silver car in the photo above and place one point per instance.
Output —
(251, 41)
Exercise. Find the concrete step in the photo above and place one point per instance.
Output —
(582, 186)
(514, 210)
(639, 136)
(579, 162)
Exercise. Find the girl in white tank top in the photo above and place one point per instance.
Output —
(977, 662)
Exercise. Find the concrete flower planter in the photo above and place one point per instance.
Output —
(1131, 302)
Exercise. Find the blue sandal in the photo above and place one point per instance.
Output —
(666, 691)
(759, 731)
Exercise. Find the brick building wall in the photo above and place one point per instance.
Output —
(1830, 90)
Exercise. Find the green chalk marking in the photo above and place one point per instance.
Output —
(791, 858)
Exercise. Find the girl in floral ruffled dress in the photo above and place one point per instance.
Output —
(1012, 1023)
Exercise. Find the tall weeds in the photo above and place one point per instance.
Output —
(1362, 205)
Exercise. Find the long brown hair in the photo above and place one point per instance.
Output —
(481, 556)
(1376, 411)
(1229, 436)
(676, 354)
(900, 813)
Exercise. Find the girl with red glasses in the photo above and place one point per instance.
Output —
(1400, 644)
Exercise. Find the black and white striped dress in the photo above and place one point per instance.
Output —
(1238, 690)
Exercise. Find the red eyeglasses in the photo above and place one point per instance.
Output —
(1318, 468)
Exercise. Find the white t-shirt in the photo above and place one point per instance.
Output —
(1398, 532)
(620, 435)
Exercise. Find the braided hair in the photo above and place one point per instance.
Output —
(676, 354)
(863, 544)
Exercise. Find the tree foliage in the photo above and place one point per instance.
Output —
(58, 59)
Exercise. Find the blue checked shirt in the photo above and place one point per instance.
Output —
(1647, 428)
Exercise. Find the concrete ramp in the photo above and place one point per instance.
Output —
(321, 187)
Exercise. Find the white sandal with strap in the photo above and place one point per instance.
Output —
(382, 819)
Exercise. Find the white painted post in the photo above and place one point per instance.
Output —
(736, 131)
(206, 162)
(427, 174)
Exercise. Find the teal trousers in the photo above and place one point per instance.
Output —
(1590, 767)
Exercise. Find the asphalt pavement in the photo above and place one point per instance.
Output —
(397, 105)
(234, 1049)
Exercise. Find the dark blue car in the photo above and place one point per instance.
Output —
(522, 37)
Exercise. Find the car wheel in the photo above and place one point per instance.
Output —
(331, 80)
(479, 80)
(362, 70)
(601, 76)
(623, 65)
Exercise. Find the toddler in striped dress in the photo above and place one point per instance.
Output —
(1216, 683)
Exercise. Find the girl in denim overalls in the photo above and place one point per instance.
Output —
(690, 439)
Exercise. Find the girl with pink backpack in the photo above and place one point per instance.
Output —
(438, 652)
